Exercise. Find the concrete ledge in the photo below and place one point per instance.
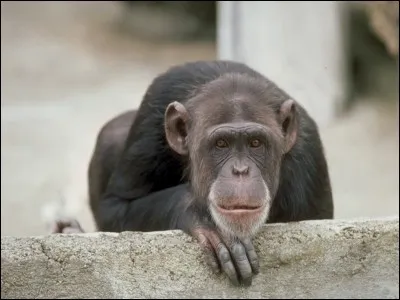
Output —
(331, 259)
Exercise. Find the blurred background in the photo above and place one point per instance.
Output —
(68, 67)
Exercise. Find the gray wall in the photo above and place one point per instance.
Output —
(299, 45)
(355, 259)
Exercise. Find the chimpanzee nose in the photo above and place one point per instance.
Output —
(240, 169)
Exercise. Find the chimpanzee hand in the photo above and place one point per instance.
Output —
(66, 225)
(236, 258)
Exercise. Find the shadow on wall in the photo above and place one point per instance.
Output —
(373, 57)
(170, 20)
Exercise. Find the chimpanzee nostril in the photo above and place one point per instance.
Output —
(240, 170)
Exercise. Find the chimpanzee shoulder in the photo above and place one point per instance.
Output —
(304, 170)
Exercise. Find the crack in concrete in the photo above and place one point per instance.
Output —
(60, 262)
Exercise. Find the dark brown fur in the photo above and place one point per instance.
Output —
(108, 148)
(158, 174)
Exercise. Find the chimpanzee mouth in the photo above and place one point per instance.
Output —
(239, 208)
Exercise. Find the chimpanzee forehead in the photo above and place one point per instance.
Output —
(239, 127)
(235, 98)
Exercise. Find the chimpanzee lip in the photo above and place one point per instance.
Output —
(239, 208)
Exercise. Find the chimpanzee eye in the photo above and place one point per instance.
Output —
(255, 143)
(221, 143)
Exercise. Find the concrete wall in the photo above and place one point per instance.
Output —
(299, 45)
(349, 259)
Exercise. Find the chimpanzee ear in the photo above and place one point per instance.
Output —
(289, 123)
(176, 118)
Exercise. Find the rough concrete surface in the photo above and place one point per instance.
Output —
(65, 70)
(314, 260)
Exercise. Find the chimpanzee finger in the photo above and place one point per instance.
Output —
(55, 228)
(224, 256)
(242, 263)
(210, 255)
(208, 237)
(70, 230)
(226, 263)
(212, 261)
(66, 226)
(251, 255)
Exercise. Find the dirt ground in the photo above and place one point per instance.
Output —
(65, 71)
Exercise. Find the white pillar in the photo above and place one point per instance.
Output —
(298, 45)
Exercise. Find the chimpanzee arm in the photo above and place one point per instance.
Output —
(161, 210)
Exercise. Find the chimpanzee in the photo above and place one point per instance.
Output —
(216, 150)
